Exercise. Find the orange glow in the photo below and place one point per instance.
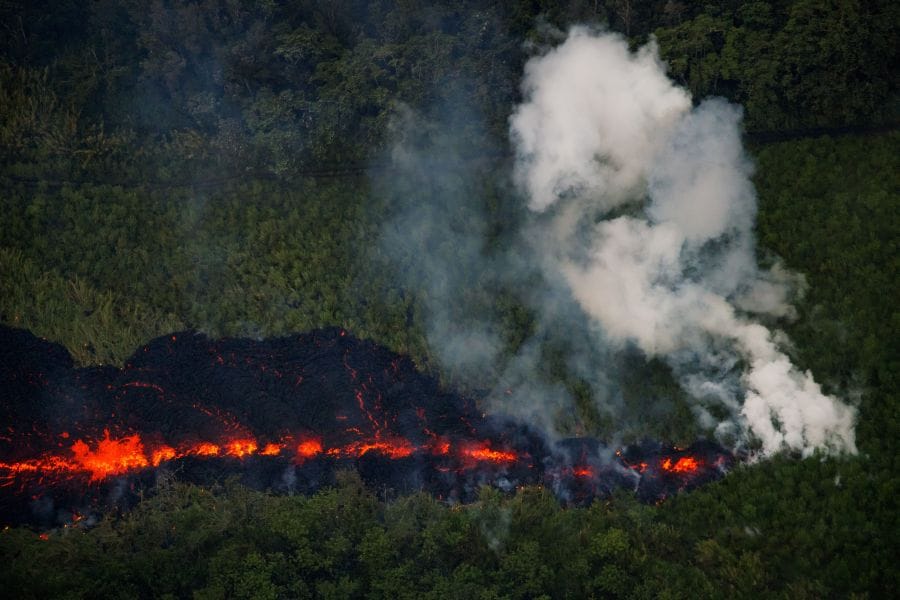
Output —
(394, 448)
(206, 449)
(485, 453)
(162, 454)
(47, 464)
(685, 464)
(271, 450)
(241, 448)
(309, 448)
(583, 472)
(111, 457)
(442, 447)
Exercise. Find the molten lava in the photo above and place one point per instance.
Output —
(309, 448)
(111, 457)
(322, 401)
(162, 454)
(271, 450)
(205, 449)
(483, 452)
(241, 448)
(685, 464)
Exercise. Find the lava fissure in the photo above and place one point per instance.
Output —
(282, 414)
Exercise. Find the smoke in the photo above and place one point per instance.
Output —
(637, 237)
(589, 127)
(435, 235)
(601, 127)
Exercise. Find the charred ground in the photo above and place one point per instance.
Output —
(284, 415)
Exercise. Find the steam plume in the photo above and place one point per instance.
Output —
(602, 129)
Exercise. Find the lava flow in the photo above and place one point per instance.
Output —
(284, 415)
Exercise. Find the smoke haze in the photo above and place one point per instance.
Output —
(641, 225)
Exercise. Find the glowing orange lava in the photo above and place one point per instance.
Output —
(162, 454)
(484, 452)
(394, 448)
(309, 448)
(111, 457)
(685, 464)
(441, 447)
(241, 448)
(205, 449)
(271, 450)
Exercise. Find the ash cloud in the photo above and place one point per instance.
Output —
(634, 233)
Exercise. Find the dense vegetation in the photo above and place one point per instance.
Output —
(787, 537)
(201, 164)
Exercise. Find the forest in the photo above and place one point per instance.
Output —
(227, 167)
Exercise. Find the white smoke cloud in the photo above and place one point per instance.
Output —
(601, 126)
(613, 103)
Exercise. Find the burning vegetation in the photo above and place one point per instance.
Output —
(284, 415)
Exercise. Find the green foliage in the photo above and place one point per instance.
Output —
(275, 88)
(782, 529)
(829, 208)
(152, 161)
(97, 327)
(792, 65)
(785, 528)
(257, 260)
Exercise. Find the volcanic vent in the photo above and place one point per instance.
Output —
(282, 414)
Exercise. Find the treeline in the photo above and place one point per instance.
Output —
(828, 208)
(102, 267)
(178, 88)
(164, 95)
(776, 530)
(175, 92)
